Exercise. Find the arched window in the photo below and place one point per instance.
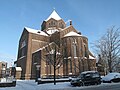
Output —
(85, 52)
(23, 43)
(51, 22)
(54, 23)
(74, 47)
(62, 26)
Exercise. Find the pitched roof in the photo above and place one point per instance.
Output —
(43, 47)
(51, 31)
(72, 34)
(91, 57)
(18, 68)
(54, 15)
(36, 31)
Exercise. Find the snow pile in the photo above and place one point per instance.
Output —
(6, 80)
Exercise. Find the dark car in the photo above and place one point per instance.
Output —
(87, 78)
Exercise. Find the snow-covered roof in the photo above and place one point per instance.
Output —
(69, 57)
(43, 47)
(72, 34)
(52, 52)
(91, 57)
(88, 72)
(18, 68)
(51, 31)
(75, 57)
(38, 50)
(36, 31)
(21, 57)
(54, 15)
(3, 68)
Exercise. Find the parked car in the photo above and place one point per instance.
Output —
(111, 77)
(87, 78)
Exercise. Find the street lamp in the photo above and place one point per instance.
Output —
(37, 71)
(70, 76)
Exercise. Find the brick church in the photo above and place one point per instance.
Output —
(38, 48)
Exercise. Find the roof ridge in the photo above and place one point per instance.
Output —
(36, 31)
(72, 33)
(54, 15)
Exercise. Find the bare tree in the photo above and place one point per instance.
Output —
(108, 46)
(53, 57)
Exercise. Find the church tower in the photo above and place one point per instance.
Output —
(54, 21)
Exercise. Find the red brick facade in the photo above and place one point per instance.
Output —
(76, 56)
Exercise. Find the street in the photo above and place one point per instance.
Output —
(103, 86)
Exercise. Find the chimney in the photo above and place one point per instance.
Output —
(70, 22)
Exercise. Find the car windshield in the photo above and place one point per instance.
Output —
(89, 75)
(82, 76)
(95, 75)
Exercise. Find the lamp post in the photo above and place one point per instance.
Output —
(37, 71)
(70, 76)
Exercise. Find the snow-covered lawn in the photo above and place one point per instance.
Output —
(31, 85)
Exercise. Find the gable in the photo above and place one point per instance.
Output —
(67, 30)
(54, 15)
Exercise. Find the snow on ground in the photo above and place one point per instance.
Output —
(31, 85)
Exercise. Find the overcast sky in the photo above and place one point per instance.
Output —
(91, 17)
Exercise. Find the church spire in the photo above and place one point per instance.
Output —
(54, 15)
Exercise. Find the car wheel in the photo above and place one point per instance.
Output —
(115, 80)
(80, 84)
(99, 82)
(96, 83)
(111, 81)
